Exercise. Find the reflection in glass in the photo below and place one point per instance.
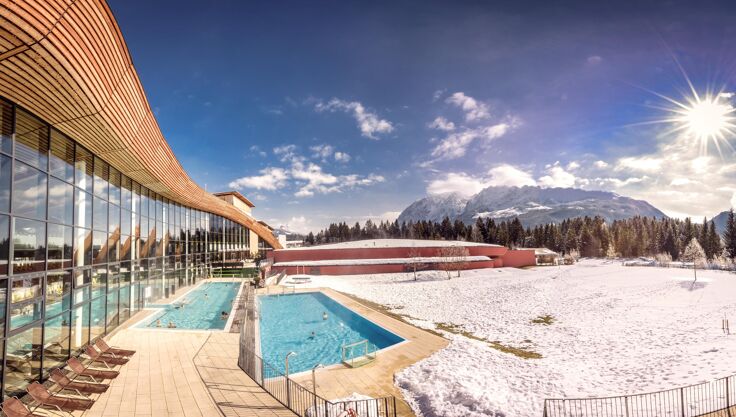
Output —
(29, 246)
(59, 246)
(58, 292)
(56, 342)
(80, 327)
(61, 202)
(112, 311)
(23, 358)
(99, 247)
(6, 127)
(114, 197)
(99, 282)
(4, 243)
(31, 140)
(82, 209)
(99, 207)
(5, 175)
(82, 247)
(98, 318)
(102, 171)
(61, 161)
(24, 313)
(83, 169)
(29, 192)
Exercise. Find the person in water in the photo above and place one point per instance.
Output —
(312, 336)
(223, 315)
(172, 325)
(158, 323)
(324, 316)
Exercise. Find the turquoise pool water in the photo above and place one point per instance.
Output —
(199, 309)
(287, 323)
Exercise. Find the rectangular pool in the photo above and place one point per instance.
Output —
(287, 323)
(199, 309)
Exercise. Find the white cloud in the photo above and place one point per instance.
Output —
(733, 200)
(440, 123)
(456, 182)
(601, 164)
(726, 95)
(285, 152)
(322, 151)
(257, 150)
(557, 177)
(509, 175)
(313, 180)
(572, 166)
(342, 157)
(474, 110)
(456, 144)
(370, 124)
(270, 179)
(641, 164)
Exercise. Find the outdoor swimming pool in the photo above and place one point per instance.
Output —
(287, 323)
(199, 309)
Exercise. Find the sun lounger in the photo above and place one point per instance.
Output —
(60, 402)
(105, 348)
(97, 356)
(80, 386)
(79, 369)
(13, 407)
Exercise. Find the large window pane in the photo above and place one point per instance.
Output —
(83, 169)
(56, 343)
(58, 292)
(114, 186)
(99, 247)
(126, 243)
(80, 327)
(6, 127)
(61, 160)
(29, 192)
(4, 244)
(60, 246)
(126, 198)
(114, 220)
(99, 282)
(113, 247)
(112, 311)
(98, 318)
(82, 209)
(29, 246)
(23, 360)
(5, 174)
(124, 303)
(125, 222)
(3, 304)
(31, 140)
(100, 214)
(102, 171)
(61, 202)
(82, 247)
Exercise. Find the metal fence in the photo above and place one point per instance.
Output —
(299, 399)
(709, 399)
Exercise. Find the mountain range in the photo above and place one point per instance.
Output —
(532, 205)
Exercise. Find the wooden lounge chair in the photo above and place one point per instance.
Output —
(79, 369)
(97, 356)
(107, 349)
(13, 407)
(79, 386)
(60, 402)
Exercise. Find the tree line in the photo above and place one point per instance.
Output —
(586, 236)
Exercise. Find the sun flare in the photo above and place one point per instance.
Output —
(708, 119)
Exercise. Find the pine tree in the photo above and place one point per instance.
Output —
(714, 241)
(729, 235)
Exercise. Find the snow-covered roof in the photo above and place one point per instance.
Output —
(393, 243)
(383, 261)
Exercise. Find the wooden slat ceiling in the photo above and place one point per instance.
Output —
(67, 62)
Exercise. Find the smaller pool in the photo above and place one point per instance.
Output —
(296, 322)
(200, 309)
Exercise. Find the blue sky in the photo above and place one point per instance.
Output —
(326, 111)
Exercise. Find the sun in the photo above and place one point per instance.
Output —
(708, 119)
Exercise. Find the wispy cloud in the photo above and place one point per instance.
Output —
(440, 123)
(475, 110)
(270, 178)
(369, 123)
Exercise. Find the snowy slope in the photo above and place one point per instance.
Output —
(533, 206)
(616, 330)
(720, 222)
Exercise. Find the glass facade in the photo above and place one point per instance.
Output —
(83, 247)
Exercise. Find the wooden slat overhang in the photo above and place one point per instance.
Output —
(67, 62)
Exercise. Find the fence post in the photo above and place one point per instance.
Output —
(682, 402)
(728, 397)
(626, 404)
(544, 413)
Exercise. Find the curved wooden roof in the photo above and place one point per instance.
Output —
(67, 62)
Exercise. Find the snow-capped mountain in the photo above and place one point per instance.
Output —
(435, 207)
(532, 205)
(720, 222)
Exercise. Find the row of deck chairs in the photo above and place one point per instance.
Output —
(82, 380)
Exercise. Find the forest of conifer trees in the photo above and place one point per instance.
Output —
(586, 236)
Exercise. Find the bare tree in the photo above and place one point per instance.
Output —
(417, 262)
(453, 258)
(694, 253)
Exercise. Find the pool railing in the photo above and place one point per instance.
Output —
(294, 396)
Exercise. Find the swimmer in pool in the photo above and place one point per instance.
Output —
(223, 315)
(172, 325)
(158, 323)
(312, 336)
(324, 316)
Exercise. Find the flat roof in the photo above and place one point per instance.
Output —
(393, 243)
(382, 261)
(237, 195)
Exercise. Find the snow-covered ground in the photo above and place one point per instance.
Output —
(616, 330)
